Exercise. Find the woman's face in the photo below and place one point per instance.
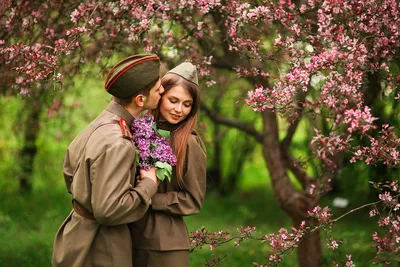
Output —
(176, 104)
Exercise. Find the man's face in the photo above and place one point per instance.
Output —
(151, 101)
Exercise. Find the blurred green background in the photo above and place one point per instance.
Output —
(29, 220)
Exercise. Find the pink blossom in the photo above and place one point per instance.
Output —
(359, 119)
(333, 245)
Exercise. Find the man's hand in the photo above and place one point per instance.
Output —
(151, 174)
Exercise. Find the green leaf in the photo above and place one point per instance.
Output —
(163, 170)
(155, 127)
(164, 133)
(137, 156)
(169, 177)
(162, 165)
(161, 173)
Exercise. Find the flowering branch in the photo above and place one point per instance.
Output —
(284, 242)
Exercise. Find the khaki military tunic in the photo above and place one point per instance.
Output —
(163, 227)
(101, 182)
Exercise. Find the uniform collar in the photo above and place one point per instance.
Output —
(120, 111)
(165, 125)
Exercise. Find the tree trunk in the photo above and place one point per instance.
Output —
(293, 202)
(309, 252)
(31, 128)
(215, 172)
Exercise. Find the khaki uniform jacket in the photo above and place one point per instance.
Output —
(163, 227)
(102, 185)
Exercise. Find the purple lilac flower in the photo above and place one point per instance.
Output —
(163, 151)
(144, 165)
(143, 127)
(144, 147)
(151, 146)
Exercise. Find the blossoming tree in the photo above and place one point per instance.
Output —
(328, 60)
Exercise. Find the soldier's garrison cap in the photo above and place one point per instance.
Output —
(186, 70)
(132, 74)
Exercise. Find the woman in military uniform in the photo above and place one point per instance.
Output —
(161, 237)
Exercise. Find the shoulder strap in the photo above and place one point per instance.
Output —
(97, 127)
(104, 123)
(199, 140)
(125, 131)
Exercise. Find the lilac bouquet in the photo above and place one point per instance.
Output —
(152, 147)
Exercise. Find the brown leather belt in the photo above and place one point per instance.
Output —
(82, 211)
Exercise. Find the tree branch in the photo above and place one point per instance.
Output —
(240, 125)
(297, 170)
(327, 177)
(289, 135)
(293, 127)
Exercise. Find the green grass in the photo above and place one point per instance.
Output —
(28, 225)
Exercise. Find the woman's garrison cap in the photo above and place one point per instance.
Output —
(186, 70)
(132, 74)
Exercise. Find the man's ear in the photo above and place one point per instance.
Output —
(140, 100)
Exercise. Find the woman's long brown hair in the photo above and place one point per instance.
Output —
(179, 137)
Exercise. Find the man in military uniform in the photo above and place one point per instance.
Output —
(99, 172)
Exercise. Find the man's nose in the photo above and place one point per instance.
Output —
(162, 89)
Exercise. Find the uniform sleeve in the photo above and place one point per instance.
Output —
(67, 170)
(190, 200)
(114, 200)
